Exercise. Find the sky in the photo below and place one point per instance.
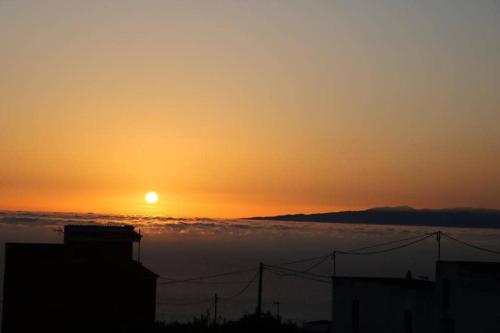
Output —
(242, 108)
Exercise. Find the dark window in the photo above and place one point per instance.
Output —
(408, 322)
(446, 293)
(77, 253)
(447, 325)
(355, 316)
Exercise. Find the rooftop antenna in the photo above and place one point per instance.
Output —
(139, 247)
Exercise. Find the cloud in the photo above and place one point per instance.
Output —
(146, 223)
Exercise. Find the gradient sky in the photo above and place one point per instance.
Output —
(238, 108)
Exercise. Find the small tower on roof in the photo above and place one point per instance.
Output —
(103, 242)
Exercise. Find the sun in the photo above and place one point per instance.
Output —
(151, 197)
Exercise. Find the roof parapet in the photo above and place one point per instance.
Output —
(100, 233)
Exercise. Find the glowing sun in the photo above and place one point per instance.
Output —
(151, 197)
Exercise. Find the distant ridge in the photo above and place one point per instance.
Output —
(403, 215)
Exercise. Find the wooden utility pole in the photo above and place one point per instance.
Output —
(259, 295)
(334, 259)
(277, 303)
(216, 300)
(139, 247)
(334, 274)
(438, 238)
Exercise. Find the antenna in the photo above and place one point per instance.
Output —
(139, 247)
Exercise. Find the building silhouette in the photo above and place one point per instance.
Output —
(90, 283)
(366, 304)
(465, 297)
(468, 296)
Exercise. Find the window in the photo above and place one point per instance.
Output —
(355, 316)
(408, 322)
(447, 325)
(446, 293)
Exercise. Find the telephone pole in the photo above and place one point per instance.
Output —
(334, 274)
(259, 295)
(277, 303)
(139, 247)
(216, 299)
(438, 238)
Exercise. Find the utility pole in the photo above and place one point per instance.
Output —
(334, 274)
(139, 247)
(277, 303)
(259, 295)
(438, 238)
(334, 259)
(216, 299)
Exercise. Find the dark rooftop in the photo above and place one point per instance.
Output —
(473, 266)
(471, 263)
(100, 233)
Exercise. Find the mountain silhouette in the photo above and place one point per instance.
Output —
(402, 215)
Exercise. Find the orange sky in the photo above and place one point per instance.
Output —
(238, 108)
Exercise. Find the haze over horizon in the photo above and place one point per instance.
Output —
(239, 108)
(289, 213)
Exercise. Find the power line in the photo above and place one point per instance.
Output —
(286, 272)
(302, 272)
(388, 243)
(228, 298)
(298, 275)
(477, 247)
(306, 273)
(252, 280)
(199, 279)
(204, 277)
(310, 268)
(299, 261)
(185, 303)
(386, 250)
(210, 282)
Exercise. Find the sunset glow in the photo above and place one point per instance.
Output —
(243, 108)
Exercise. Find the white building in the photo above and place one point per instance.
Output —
(464, 298)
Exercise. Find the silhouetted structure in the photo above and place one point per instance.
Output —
(263, 323)
(88, 283)
(464, 298)
(317, 326)
(383, 305)
(468, 296)
(450, 217)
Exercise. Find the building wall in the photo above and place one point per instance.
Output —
(117, 296)
(32, 295)
(383, 305)
(82, 251)
(46, 292)
(468, 297)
